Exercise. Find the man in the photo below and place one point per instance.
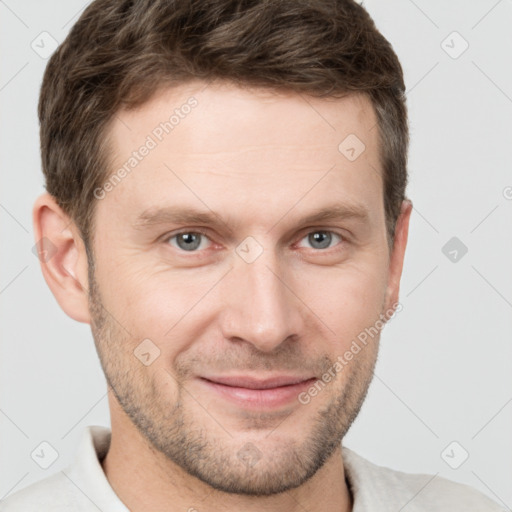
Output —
(226, 207)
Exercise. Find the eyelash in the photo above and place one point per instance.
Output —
(205, 234)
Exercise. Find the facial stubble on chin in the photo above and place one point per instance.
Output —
(170, 429)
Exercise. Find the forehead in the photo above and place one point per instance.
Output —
(226, 145)
(245, 116)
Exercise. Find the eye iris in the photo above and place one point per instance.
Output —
(323, 237)
(192, 240)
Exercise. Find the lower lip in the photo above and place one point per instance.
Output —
(260, 398)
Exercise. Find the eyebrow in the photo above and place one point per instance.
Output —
(183, 215)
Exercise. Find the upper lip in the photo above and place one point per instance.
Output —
(246, 381)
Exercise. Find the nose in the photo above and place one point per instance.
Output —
(260, 305)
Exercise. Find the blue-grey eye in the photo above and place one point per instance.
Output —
(188, 240)
(321, 239)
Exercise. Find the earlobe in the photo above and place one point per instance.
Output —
(62, 256)
(398, 254)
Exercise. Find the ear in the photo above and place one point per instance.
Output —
(62, 255)
(397, 254)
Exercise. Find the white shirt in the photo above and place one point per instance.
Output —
(83, 486)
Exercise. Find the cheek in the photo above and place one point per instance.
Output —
(347, 300)
(170, 307)
(158, 306)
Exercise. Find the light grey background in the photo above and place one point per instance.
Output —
(444, 370)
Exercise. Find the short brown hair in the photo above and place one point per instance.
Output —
(120, 52)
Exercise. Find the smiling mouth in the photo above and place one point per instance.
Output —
(261, 394)
(250, 382)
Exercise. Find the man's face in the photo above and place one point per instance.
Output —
(260, 293)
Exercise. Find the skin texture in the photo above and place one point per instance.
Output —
(259, 160)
